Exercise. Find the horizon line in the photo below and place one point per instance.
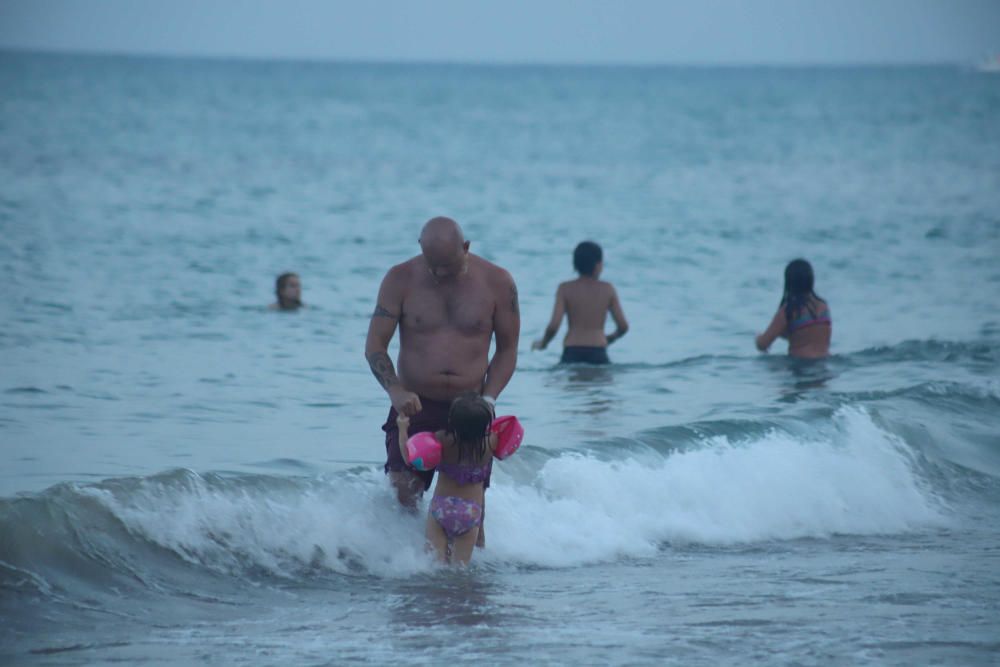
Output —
(453, 62)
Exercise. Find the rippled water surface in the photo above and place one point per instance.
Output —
(191, 477)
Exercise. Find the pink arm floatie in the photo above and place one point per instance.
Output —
(423, 451)
(509, 435)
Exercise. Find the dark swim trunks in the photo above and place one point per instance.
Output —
(433, 416)
(580, 354)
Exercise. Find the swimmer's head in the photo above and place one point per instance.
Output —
(799, 292)
(444, 248)
(798, 277)
(469, 420)
(588, 259)
(288, 290)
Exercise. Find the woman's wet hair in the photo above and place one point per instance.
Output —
(799, 292)
(586, 256)
(469, 420)
(279, 285)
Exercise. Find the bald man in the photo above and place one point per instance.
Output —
(448, 304)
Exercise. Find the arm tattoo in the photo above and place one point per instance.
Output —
(382, 369)
(513, 299)
(382, 312)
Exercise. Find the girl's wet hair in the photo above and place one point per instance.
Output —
(586, 256)
(799, 292)
(469, 420)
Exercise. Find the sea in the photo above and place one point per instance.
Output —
(190, 478)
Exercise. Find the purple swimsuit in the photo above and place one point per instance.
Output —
(458, 516)
(464, 473)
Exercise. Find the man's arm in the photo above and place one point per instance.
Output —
(507, 329)
(381, 328)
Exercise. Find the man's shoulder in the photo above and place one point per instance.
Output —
(403, 270)
(493, 272)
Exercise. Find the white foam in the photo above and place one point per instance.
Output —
(343, 525)
(853, 479)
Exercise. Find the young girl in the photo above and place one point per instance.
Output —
(803, 318)
(467, 447)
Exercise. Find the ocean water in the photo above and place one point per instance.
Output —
(189, 478)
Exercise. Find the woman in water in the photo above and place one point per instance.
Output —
(803, 317)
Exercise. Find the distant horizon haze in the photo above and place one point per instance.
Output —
(554, 32)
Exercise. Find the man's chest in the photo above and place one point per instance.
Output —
(466, 309)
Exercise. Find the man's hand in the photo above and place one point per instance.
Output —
(406, 402)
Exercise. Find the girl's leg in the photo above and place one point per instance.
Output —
(481, 540)
(461, 548)
(437, 539)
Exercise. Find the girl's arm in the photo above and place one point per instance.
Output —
(776, 328)
(403, 422)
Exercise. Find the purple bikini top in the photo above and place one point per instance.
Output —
(465, 473)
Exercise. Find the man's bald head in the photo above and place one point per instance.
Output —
(441, 231)
(444, 247)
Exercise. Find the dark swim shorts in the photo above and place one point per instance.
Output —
(433, 416)
(580, 354)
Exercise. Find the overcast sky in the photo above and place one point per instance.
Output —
(520, 31)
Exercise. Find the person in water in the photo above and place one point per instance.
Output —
(288, 290)
(456, 509)
(803, 317)
(586, 302)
